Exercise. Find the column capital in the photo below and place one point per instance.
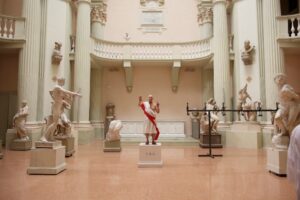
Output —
(205, 13)
(98, 12)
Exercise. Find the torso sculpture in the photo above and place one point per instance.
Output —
(113, 133)
(58, 123)
(214, 119)
(150, 109)
(19, 121)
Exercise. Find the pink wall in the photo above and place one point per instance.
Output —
(11, 7)
(9, 72)
(292, 67)
(125, 17)
(155, 80)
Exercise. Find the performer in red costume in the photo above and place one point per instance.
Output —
(150, 109)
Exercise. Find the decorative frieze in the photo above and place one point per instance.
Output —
(98, 13)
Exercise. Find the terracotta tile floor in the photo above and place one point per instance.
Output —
(92, 174)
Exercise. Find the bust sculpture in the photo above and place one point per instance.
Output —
(247, 53)
(56, 55)
(58, 123)
(19, 121)
(113, 133)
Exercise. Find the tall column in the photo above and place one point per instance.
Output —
(273, 53)
(222, 92)
(98, 18)
(205, 19)
(29, 58)
(82, 69)
(96, 91)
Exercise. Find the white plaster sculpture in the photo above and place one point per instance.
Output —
(113, 133)
(56, 55)
(150, 109)
(58, 124)
(210, 105)
(242, 100)
(288, 115)
(247, 53)
(293, 163)
(251, 115)
(19, 121)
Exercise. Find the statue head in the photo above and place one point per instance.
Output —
(150, 98)
(23, 103)
(57, 46)
(280, 79)
(247, 44)
(61, 81)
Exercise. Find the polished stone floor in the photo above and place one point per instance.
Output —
(93, 174)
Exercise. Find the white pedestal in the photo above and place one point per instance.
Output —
(277, 161)
(11, 134)
(21, 145)
(244, 135)
(47, 159)
(69, 143)
(150, 155)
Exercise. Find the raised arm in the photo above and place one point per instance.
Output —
(140, 100)
(157, 109)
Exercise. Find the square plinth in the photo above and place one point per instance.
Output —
(112, 146)
(21, 145)
(47, 160)
(216, 140)
(150, 155)
(69, 143)
(277, 161)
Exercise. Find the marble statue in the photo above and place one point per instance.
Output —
(287, 116)
(210, 105)
(247, 53)
(251, 115)
(113, 133)
(56, 55)
(110, 116)
(242, 100)
(58, 123)
(150, 109)
(19, 121)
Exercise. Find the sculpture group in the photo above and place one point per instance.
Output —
(58, 124)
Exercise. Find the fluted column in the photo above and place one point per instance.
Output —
(82, 69)
(207, 84)
(222, 92)
(273, 53)
(29, 58)
(96, 92)
(98, 19)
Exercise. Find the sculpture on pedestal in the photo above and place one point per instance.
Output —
(19, 121)
(110, 116)
(210, 105)
(288, 115)
(150, 109)
(251, 115)
(58, 123)
(247, 53)
(242, 100)
(56, 55)
(113, 133)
